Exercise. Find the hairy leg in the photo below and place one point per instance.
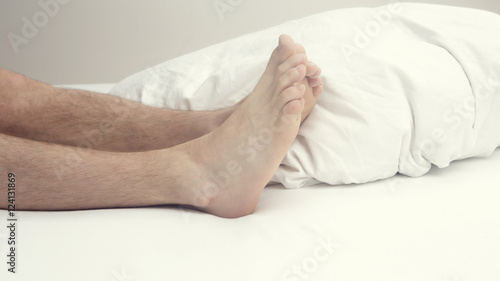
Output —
(34, 110)
(55, 177)
(37, 111)
(223, 172)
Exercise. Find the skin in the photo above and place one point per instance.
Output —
(73, 150)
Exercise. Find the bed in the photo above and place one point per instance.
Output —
(442, 226)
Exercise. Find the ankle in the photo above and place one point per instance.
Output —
(215, 119)
(184, 168)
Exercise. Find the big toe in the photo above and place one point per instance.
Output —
(285, 49)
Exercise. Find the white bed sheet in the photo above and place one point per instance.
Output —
(406, 86)
(444, 226)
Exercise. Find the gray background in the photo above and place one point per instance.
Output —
(96, 41)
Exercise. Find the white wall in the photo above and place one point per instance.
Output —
(102, 41)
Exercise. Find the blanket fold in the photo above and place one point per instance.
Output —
(407, 86)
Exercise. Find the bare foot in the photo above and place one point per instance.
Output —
(231, 165)
(313, 87)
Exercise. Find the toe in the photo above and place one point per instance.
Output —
(315, 82)
(317, 90)
(286, 41)
(313, 71)
(292, 76)
(285, 49)
(292, 93)
(292, 62)
(294, 108)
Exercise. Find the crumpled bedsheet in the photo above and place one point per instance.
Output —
(407, 86)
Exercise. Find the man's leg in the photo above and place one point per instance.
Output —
(34, 110)
(37, 111)
(223, 172)
(56, 177)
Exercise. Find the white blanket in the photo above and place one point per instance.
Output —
(406, 86)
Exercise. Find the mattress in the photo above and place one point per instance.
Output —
(444, 226)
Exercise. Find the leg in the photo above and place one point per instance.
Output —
(56, 177)
(37, 111)
(223, 172)
(29, 109)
